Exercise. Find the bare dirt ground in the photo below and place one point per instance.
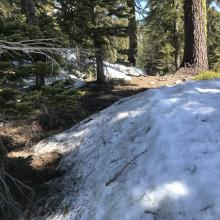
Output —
(148, 82)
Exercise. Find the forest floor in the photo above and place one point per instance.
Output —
(20, 135)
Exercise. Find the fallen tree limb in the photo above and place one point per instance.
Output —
(115, 177)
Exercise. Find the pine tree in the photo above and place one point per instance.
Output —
(195, 23)
(163, 33)
(91, 23)
(132, 33)
(214, 39)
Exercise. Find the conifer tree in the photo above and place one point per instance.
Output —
(195, 24)
(132, 33)
(91, 23)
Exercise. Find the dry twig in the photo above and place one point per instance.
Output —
(115, 177)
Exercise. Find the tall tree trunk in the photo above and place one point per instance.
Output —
(177, 45)
(132, 31)
(31, 12)
(195, 52)
(98, 44)
(176, 35)
(28, 7)
(40, 81)
(99, 61)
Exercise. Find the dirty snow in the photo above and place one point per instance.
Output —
(155, 155)
(121, 72)
(78, 83)
(111, 71)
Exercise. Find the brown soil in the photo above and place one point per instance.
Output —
(159, 81)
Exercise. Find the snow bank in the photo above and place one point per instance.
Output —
(111, 71)
(155, 155)
(78, 83)
(121, 72)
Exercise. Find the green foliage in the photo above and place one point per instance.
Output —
(38, 69)
(156, 37)
(214, 39)
(87, 21)
(207, 75)
(25, 71)
(5, 66)
(6, 70)
(59, 97)
(57, 105)
(8, 100)
(54, 106)
(8, 94)
(15, 28)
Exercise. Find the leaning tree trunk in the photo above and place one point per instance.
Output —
(195, 51)
(132, 32)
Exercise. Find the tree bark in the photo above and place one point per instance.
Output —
(177, 45)
(28, 7)
(98, 44)
(176, 35)
(40, 81)
(99, 61)
(195, 52)
(132, 32)
(31, 12)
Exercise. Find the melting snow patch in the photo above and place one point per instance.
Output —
(121, 72)
(153, 156)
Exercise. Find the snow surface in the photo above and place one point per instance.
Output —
(155, 155)
(111, 71)
(121, 72)
(78, 83)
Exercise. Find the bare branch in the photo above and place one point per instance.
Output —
(115, 177)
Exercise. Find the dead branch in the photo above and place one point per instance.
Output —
(115, 177)
(51, 49)
(154, 214)
(7, 200)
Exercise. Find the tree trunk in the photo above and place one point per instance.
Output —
(40, 81)
(98, 44)
(28, 7)
(132, 31)
(177, 45)
(176, 35)
(99, 61)
(31, 12)
(195, 52)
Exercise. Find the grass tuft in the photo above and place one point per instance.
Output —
(207, 75)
